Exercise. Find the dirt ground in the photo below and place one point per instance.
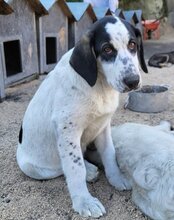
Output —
(22, 198)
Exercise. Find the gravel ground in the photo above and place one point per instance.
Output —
(22, 198)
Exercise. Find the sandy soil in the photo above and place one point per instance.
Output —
(22, 198)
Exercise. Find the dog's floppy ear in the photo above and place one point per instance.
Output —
(141, 50)
(83, 59)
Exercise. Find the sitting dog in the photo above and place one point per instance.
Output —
(145, 155)
(73, 107)
(161, 59)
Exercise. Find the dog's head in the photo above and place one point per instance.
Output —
(112, 47)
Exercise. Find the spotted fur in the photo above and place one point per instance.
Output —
(74, 106)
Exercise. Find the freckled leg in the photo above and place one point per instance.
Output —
(106, 150)
(75, 172)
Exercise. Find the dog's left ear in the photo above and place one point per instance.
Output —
(140, 50)
(83, 59)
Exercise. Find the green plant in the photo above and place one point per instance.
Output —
(74, 0)
(165, 9)
(129, 4)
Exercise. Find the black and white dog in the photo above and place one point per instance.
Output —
(162, 59)
(74, 106)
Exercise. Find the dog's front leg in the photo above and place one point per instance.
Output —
(75, 172)
(106, 150)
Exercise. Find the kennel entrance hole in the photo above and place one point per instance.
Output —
(71, 34)
(12, 55)
(51, 50)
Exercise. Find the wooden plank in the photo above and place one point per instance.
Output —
(2, 86)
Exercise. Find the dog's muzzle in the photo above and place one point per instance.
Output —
(131, 82)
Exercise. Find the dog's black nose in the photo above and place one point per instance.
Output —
(132, 81)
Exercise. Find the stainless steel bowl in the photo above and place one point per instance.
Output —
(149, 99)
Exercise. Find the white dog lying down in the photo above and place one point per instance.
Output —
(145, 155)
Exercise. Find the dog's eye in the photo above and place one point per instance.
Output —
(132, 46)
(107, 49)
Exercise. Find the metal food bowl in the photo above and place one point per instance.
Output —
(149, 99)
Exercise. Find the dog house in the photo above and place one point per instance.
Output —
(53, 33)
(100, 12)
(18, 44)
(5, 9)
(84, 17)
(119, 13)
(140, 17)
(131, 17)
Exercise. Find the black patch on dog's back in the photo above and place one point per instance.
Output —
(20, 135)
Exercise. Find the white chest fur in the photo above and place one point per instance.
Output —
(104, 106)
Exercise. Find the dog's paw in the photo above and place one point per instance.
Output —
(119, 182)
(91, 172)
(88, 206)
(165, 126)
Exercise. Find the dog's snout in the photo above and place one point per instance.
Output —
(132, 82)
